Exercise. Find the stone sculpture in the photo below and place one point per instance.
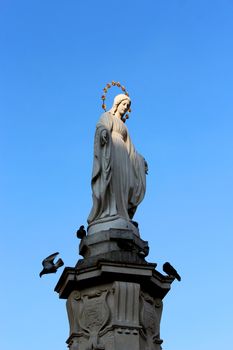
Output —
(114, 296)
(118, 177)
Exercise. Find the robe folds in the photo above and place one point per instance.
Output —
(118, 177)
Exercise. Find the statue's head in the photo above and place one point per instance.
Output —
(121, 104)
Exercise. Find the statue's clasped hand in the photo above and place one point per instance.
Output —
(104, 137)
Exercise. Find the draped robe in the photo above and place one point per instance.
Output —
(118, 177)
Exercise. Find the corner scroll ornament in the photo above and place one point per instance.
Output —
(94, 316)
(150, 317)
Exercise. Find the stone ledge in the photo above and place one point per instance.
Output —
(104, 272)
(114, 244)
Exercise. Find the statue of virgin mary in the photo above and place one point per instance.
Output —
(118, 177)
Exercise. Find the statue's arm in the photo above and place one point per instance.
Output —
(105, 127)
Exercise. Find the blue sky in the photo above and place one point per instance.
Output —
(175, 58)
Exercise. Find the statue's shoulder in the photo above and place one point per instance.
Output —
(106, 120)
(106, 116)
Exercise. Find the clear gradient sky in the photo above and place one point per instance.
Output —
(176, 59)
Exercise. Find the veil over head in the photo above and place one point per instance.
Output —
(117, 100)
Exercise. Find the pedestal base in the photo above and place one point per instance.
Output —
(115, 316)
(114, 297)
(113, 222)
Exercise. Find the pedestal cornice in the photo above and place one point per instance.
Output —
(146, 275)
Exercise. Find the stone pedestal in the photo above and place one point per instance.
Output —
(114, 297)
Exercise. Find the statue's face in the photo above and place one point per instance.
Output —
(123, 107)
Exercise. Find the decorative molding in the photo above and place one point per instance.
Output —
(88, 314)
(150, 317)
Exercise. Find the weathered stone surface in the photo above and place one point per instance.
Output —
(113, 305)
(114, 296)
(115, 316)
(113, 245)
(113, 222)
(103, 271)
